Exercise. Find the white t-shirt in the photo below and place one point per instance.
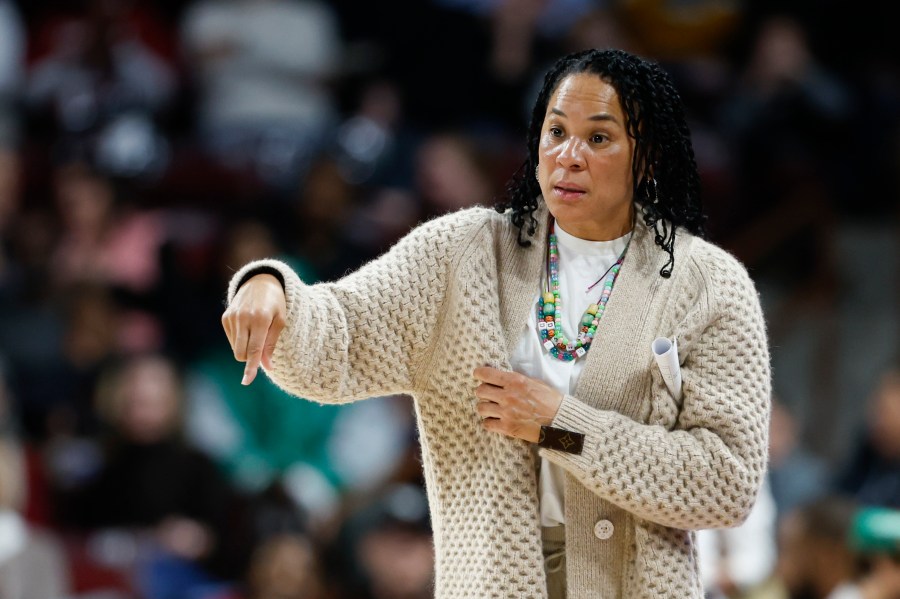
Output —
(581, 263)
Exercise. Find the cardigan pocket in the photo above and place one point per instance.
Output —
(664, 408)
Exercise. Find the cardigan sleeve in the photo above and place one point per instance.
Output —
(707, 470)
(364, 335)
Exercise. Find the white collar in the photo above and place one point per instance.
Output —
(576, 245)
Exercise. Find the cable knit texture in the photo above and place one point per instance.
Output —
(454, 295)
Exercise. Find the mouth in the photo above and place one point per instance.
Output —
(568, 191)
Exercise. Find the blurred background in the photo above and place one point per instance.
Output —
(150, 148)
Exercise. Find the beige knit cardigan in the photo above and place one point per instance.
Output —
(455, 294)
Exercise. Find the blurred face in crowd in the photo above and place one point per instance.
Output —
(247, 241)
(781, 52)
(91, 327)
(884, 420)
(448, 175)
(148, 399)
(284, 567)
(84, 199)
(811, 561)
(399, 563)
(585, 155)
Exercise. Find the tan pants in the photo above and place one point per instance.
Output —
(555, 561)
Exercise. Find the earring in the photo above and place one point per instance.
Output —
(655, 191)
(536, 176)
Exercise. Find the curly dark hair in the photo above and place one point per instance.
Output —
(666, 182)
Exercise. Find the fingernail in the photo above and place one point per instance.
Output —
(246, 379)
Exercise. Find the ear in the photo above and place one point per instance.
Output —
(645, 167)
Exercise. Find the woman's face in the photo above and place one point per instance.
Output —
(584, 152)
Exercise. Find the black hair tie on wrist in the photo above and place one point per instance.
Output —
(261, 270)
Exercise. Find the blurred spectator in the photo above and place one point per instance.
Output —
(89, 345)
(815, 554)
(32, 563)
(781, 79)
(514, 26)
(736, 559)
(263, 70)
(102, 87)
(873, 474)
(796, 476)
(881, 581)
(374, 443)
(169, 495)
(823, 555)
(27, 237)
(316, 453)
(452, 174)
(285, 560)
(193, 268)
(375, 143)
(385, 548)
(285, 566)
(875, 537)
(107, 242)
(786, 110)
(12, 59)
(31, 327)
(318, 231)
(262, 436)
(60, 349)
(101, 240)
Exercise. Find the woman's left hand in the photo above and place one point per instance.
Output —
(514, 404)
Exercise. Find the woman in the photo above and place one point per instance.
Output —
(468, 314)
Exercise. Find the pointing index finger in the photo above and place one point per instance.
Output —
(255, 347)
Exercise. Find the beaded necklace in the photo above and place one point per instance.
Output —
(549, 308)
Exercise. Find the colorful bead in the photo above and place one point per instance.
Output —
(549, 310)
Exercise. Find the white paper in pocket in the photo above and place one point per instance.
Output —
(665, 352)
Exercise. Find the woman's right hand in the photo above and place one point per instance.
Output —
(253, 322)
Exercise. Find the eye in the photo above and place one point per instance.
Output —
(555, 131)
(598, 138)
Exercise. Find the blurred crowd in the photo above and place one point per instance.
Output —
(150, 148)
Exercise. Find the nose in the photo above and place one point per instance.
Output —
(571, 154)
